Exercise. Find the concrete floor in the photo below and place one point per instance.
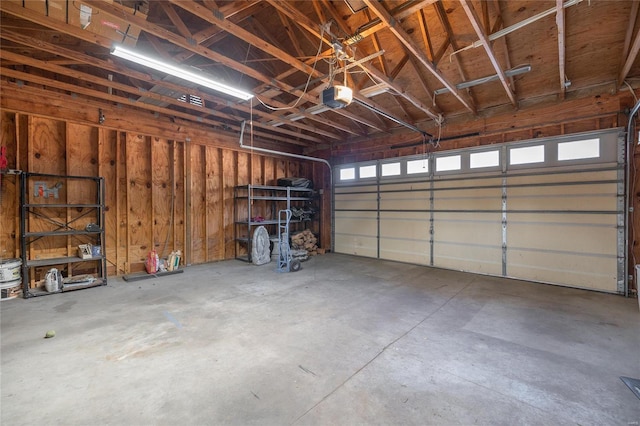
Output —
(345, 341)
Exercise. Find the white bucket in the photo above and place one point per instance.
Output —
(10, 290)
(10, 270)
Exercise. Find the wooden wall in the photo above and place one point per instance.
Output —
(160, 193)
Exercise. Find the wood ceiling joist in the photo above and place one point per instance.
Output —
(212, 34)
(252, 39)
(304, 22)
(72, 88)
(404, 38)
(561, 45)
(376, 46)
(475, 22)
(496, 27)
(176, 20)
(136, 92)
(629, 51)
(292, 37)
(451, 41)
(20, 12)
(114, 9)
(426, 37)
(113, 67)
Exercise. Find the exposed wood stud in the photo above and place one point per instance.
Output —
(404, 38)
(561, 48)
(473, 17)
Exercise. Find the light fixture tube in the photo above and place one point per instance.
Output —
(179, 72)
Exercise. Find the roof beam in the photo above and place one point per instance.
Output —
(404, 38)
(113, 67)
(116, 10)
(450, 41)
(97, 94)
(426, 37)
(314, 29)
(475, 22)
(630, 56)
(176, 20)
(272, 50)
(630, 59)
(561, 45)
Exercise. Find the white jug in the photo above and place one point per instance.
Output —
(52, 280)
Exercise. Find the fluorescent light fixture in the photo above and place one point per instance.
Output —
(179, 72)
(378, 89)
(355, 5)
(471, 83)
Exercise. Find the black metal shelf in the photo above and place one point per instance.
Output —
(38, 291)
(35, 263)
(271, 199)
(61, 206)
(30, 211)
(60, 233)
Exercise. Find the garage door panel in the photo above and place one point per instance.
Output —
(459, 181)
(468, 257)
(405, 250)
(468, 199)
(356, 233)
(356, 245)
(468, 228)
(552, 178)
(404, 202)
(558, 221)
(585, 238)
(404, 225)
(357, 223)
(583, 271)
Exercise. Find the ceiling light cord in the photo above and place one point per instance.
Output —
(306, 86)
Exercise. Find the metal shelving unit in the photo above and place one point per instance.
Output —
(251, 201)
(61, 220)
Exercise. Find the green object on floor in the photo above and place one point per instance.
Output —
(50, 334)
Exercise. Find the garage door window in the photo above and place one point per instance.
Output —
(348, 173)
(578, 150)
(526, 155)
(391, 169)
(417, 166)
(367, 172)
(445, 164)
(479, 160)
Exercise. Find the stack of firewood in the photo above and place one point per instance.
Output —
(305, 240)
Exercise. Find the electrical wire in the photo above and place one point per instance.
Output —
(306, 86)
(631, 90)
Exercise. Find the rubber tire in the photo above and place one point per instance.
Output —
(295, 265)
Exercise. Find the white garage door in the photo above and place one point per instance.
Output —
(546, 210)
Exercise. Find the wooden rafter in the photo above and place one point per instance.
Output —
(314, 29)
(376, 46)
(115, 9)
(473, 17)
(496, 26)
(561, 45)
(450, 41)
(628, 49)
(98, 94)
(426, 37)
(176, 20)
(270, 49)
(404, 38)
(115, 68)
(417, 68)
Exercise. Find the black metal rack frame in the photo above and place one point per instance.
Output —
(63, 229)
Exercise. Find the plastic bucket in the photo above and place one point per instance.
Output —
(10, 289)
(10, 270)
